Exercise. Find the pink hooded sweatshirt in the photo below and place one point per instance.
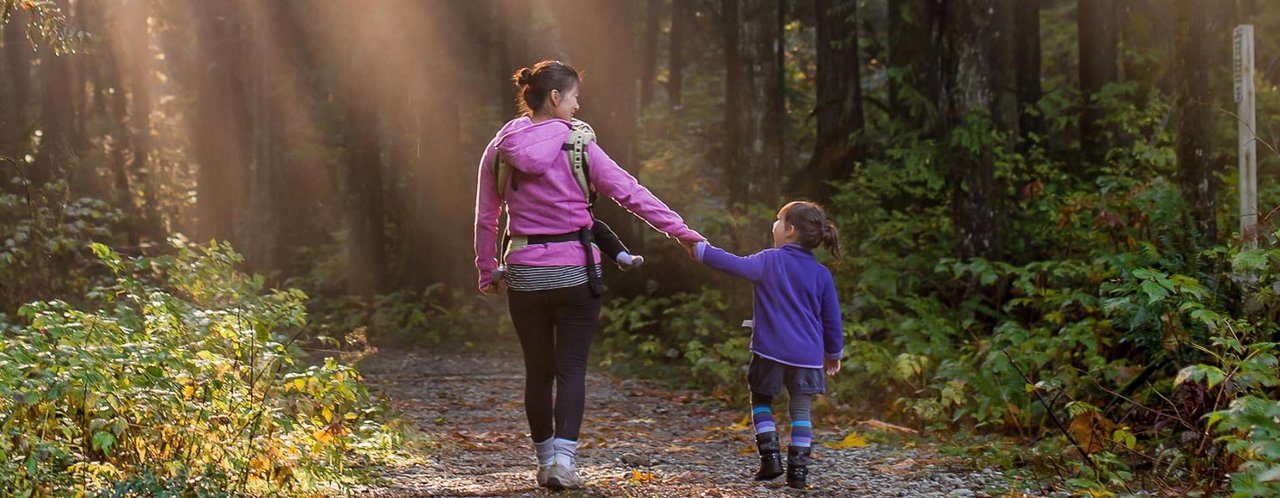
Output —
(549, 201)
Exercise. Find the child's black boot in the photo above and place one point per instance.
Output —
(770, 456)
(797, 466)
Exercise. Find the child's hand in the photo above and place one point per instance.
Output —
(831, 366)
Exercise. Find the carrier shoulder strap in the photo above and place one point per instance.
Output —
(581, 135)
(576, 146)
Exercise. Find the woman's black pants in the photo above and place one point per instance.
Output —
(555, 328)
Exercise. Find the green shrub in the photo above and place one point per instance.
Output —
(186, 380)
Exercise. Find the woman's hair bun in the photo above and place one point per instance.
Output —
(523, 77)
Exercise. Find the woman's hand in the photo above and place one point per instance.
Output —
(831, 366)
(691, 247)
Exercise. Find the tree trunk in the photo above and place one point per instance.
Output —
(263, 238)
(57, 118)
(1026, 43)
(753, 100)
(366, 238)
(1194, 100)
(649, 71)
(366, 253)
(17, 68)
(680, 11)
(838, 107)
(970, 98)
(516, 45)
(915, 31)
(140, 67)
(1098, 38)
(114, 108)
(222, 135)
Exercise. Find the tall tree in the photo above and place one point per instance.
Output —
(838, 106)
(969, 85)
(262, 239)
(753, 99)
(135, 13)
(649, 52)
(1098, 39)
(17, 70)
(110, 102)
(222, 127)
(680, 12)
(916, 59)
(366, 234)
(1026, 44)
(57, 116)
(1193, 106)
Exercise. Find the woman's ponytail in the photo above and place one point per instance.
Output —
(522, 77)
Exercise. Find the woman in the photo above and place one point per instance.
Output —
(551, 273)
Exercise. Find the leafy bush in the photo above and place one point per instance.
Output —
(698, 333)
(186, 380)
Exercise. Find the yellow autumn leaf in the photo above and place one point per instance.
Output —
(328, 414)
(742, 425)
(322, 435)
(638, 476)
(853, 440)
(300, 384)
(189, 391)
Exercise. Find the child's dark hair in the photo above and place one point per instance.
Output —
(812, 226)
(536, 84)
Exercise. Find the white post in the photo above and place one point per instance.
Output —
(1247, 125)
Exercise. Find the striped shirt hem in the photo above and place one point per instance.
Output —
(536, 278)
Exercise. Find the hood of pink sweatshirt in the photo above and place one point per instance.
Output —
(543, 197)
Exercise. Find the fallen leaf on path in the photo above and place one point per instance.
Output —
(852, 440)
(636, 476)
(742, 425)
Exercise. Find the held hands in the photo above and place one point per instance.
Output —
(831, 366)
(691, 247)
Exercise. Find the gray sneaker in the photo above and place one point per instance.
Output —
(560, 476)
(543, 472)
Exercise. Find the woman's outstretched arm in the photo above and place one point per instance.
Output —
(614, 182)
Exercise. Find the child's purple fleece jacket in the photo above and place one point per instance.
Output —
(797, 315)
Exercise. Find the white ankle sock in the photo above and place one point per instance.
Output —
(565, 450)
(623, 258)
(546, 451)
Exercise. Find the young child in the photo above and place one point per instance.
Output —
(796, 332)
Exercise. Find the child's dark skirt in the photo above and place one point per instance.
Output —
(767, 377)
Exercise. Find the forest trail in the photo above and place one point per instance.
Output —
(638, 439)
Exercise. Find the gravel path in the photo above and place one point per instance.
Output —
(638, 439)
